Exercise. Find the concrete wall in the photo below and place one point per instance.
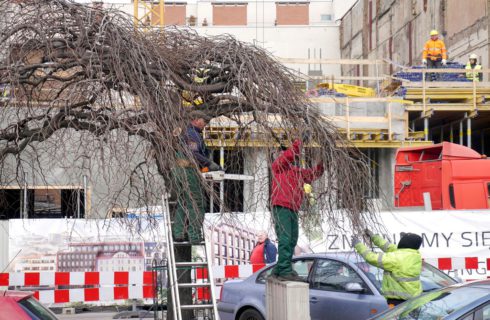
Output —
(398, 29)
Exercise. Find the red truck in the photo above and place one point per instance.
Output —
(455, 176)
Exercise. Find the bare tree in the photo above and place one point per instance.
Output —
(85, 75)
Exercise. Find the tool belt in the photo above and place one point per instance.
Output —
(184, 163)
(435, 58)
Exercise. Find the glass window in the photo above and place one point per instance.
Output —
(326, 17)
(223, 236)
(32, 306)
(334, 275)
(216, 235)
(237, 242)
(230, 239)
(224, 251)
(437, 304)
(486, 312)
(216, 248)
(230, 252)
(248, 244)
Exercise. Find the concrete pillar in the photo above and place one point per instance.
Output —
(287, 300)
(4, 245)
(386, 176)
(256, 192)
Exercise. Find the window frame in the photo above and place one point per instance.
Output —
(260, 279)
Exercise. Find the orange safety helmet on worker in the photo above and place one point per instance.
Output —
(434, 49)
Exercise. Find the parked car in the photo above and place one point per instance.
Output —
(469, 301)
(342, 286)
(21, 305)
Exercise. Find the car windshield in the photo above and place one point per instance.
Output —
(436, 305)
(33, 307)
(431, 277)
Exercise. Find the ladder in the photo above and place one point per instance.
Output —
(210, 309)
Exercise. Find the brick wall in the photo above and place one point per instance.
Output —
(229, 14)
(292, 13)
(174, 14)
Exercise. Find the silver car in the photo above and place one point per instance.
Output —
(342, 286)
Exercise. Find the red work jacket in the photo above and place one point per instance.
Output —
(288, 179)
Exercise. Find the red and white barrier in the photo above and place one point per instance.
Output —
(102, 286)
(95, 294)
(26, 279)
(458, 263)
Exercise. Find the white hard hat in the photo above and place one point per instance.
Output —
(473, 56)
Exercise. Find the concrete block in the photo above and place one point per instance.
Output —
(287, 300)
(68, 311)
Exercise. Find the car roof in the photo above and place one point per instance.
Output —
(16, 295)
(482, 284)
(346, 256)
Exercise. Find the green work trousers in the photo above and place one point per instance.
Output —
(189, 214)
(286, 226)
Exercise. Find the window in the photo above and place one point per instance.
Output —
(230, 239)
(334, 275)
(223, 236)
(237, 242)
(216, 235)
(451, 196)
(42, 202)
(224, 251)
(326, 17)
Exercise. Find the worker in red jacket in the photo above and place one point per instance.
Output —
(287, 195)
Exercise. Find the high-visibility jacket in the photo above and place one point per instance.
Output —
(402, 268)
(469, 74)
(435, 50)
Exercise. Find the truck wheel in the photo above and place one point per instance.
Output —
(251, 314)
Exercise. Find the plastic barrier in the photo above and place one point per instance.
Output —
(100, 286)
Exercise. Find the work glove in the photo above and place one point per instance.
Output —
(214, 167)
(354, 241)
(306, 136)
(444, 62)
(369, 233)
(424, 62)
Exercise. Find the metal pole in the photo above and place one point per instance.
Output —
(25, 215)
(451, 136)
(85, 184)
(78, 203)
(468, 132)
(426, 128)
(461, 132)
(222, 183)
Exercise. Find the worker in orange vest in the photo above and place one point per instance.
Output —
(435, 54)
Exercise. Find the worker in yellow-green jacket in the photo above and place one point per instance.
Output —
(402, 265)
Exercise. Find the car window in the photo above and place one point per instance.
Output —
(436, 305)
(431, 277)
(37, 309)
(301, 266)
(486, 312)
(334, 275)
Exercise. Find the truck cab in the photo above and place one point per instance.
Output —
(454, 176)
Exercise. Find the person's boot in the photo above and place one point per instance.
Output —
(291, 277)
